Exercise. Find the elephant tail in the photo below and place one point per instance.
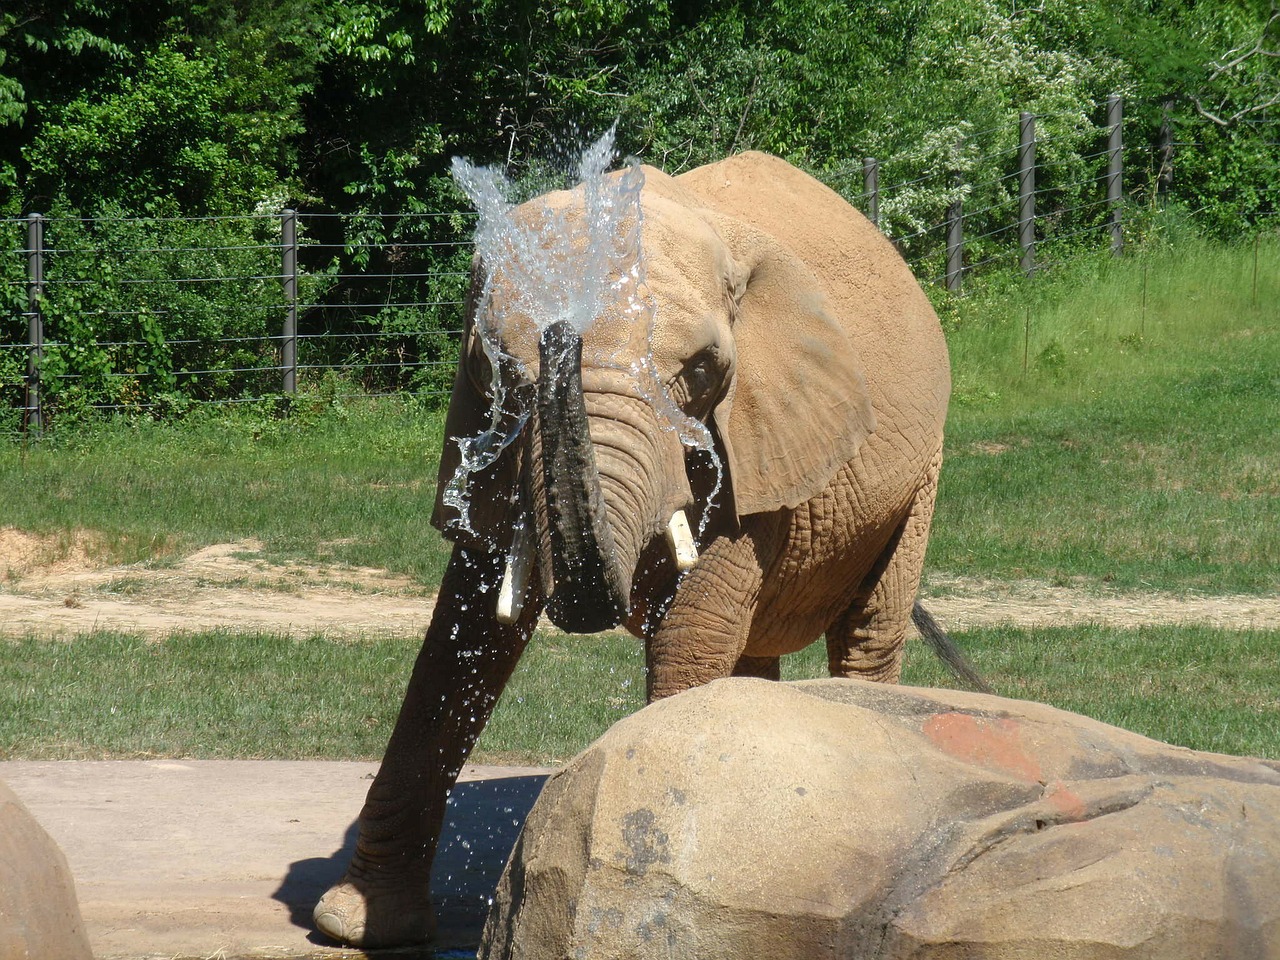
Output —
(945, 648)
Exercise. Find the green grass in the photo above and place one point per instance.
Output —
(219, 695)
(1196, 686)
(1142, 453)
(352, 483)
(249, 696)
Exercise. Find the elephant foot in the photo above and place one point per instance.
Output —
(355, 914)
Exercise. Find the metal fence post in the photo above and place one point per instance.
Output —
(1115, 170)
(955, 234)
(289, 339)
(1027, 191)
(33, 415)
(871, 186)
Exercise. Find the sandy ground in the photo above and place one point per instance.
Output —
(50, 589)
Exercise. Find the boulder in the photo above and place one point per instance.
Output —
(39, 914)
(846, 819)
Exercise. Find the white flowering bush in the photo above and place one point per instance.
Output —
(986, 63)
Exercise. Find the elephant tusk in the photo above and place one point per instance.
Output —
(681, 542)
(515, 579)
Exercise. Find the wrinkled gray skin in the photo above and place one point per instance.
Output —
(789, 327)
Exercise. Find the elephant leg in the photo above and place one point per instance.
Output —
(867, 639)
(464, 664)
(704, 630)
(766, 668)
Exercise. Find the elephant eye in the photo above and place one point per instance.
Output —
(697, 385)
(699, 375)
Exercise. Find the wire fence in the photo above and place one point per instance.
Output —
(156, 314)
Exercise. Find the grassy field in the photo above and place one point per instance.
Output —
(110, 696)
(1114, 425)
(1139, 448)
(340, 482)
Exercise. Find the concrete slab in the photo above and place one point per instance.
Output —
(225, 859)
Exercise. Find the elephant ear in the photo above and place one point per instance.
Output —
(488, 492)
(798, 407)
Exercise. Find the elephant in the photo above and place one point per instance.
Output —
(778, 487)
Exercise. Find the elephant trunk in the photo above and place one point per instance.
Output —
(590, 590)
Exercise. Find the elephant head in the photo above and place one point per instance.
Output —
(580, 401)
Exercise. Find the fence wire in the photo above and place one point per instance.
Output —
(144, 314)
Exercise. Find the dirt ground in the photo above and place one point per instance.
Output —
(52, 588)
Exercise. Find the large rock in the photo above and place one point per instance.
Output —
(39, 914)
(844, 819)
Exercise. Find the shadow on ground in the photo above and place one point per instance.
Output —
(481, 825)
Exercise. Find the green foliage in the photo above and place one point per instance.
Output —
(13, 329)
(353, 110)
(718, 90)
(1208, 70)
(396, 301)
(171, 137)
(358, 106)
(934, 91)
(999, 64)
(150, 314)
(153, 105)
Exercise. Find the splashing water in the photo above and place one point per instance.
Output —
(569, 265)
(558, 265)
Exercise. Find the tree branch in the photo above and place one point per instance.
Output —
(742, 121)
(1231, 61)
